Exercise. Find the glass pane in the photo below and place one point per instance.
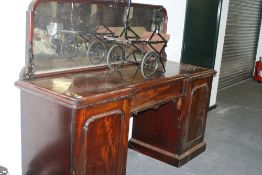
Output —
(70, 35)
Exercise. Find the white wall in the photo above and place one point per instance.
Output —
(259, 47)
(12, 46)
(220, 44)
(176, 17)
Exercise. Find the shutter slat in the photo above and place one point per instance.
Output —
(240, 44)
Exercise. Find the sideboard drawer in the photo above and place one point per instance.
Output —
(155, 95)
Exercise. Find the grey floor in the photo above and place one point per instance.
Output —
(233, 137)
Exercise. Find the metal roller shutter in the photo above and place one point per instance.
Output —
(241, 39)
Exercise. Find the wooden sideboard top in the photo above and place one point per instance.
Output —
(90, 86)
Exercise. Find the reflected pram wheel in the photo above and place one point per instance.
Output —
(115, 57)
(149, 64)
(96, 52)
(69, 48)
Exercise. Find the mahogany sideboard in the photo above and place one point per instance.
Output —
(77, 123)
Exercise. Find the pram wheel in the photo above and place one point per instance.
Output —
(69, 48)
(96, 52)
(149, 64)
(115, 57)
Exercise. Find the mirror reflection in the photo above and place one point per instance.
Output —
(70, 35)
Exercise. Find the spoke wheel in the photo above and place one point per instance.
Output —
(82, 47)
(149, 64)
(69, 48)
(115, 57)
(96, 52)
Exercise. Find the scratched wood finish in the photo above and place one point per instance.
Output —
(77, 123)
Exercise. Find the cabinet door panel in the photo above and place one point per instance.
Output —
(101, 139)
(197, 112)
(101, 143)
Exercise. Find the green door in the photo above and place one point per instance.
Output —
(201, 32)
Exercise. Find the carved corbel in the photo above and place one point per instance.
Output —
(28, 70)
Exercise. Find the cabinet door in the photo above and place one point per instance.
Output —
(101, 139)
(195, 111)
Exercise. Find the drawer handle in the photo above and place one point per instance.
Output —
(155, 107)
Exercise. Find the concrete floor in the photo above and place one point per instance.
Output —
(233, 137)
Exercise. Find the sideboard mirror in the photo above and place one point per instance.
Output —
(68, 35)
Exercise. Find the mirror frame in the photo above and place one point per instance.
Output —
(28, 71)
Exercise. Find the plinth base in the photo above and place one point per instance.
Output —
(165, 156)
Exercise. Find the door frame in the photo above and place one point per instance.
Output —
(217, 32)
